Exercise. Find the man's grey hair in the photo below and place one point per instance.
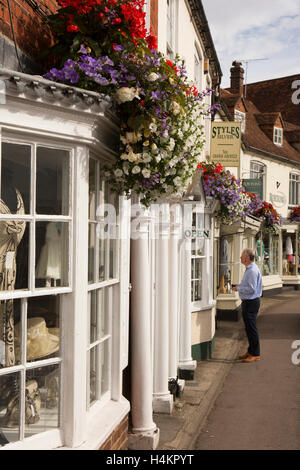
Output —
(249, 252)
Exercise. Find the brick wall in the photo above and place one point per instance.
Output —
(32, 35)
(154, 16)
(118, 440)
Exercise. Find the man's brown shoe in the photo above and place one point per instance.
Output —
(251, 358)
(243, 356)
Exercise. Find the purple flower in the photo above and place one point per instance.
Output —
(118, 48)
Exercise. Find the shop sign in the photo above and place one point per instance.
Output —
(225, 143)
(196, 233)
(278, 199)
(254, 185)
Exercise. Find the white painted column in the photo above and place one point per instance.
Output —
(162, 399)
(145, 434)
(186, 364)
(174, 293)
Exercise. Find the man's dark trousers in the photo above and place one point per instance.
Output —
(250, 310)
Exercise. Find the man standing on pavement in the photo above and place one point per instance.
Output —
(250, 291)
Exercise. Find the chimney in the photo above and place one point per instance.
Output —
(237, 78)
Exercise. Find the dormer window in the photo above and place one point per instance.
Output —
(278, 136)
(239, 116)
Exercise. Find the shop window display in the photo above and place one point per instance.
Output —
(34, 255)
(290, 264)
(226, 265)
(267, 253)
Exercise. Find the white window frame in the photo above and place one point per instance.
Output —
(258, 171)
(111, 285)
(294, 189)
(239, 116)
(79, 428)
(198, 68)
(278, 136)
(52, 437)
(206, 265)
(171, 24)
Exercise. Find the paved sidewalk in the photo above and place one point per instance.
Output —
(181, 430)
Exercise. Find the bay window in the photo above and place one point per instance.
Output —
(35, 236)
(201, 259)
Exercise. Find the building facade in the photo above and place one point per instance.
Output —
(94, 326)
(270, 164)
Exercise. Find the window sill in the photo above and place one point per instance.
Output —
(101, 422)
(198, 306)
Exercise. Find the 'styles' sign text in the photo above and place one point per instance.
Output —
(225, 143)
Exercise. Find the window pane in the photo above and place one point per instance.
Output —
(52, 254)
(43, 319)
(91, 253)
(94, 374)
(104, 311)
(94, 316)
(15, 178)
(42, 399)
(52, 181)
(103, 258)
(92, 189)
(9, 408)
(10, 315)
(14, 251)
(105, 362)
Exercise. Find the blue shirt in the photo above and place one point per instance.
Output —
(251, 285)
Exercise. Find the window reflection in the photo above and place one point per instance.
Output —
(52, 181)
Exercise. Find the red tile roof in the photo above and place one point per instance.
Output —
(276, 96)
(257, 116)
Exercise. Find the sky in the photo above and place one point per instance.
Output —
(256, 29)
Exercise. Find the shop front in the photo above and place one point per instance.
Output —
(63, 289)
(290, 255)
(268, 258)
(231, 240)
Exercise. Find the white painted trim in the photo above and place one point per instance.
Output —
(101, 421)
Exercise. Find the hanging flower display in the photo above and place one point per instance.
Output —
(222, 185)
(271, 218)
(294, 215)
(106, 48)
(255, 203)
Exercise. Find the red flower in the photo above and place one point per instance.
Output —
(151, 41)
(71, 28)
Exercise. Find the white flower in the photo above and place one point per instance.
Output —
(124, 156)
(132, 157)
(136, 169)
(146, 173)
(152, 77)
(118, 173)
(171, 144)
(154, 146)
(175, 108)
(147, 158)
(125, 168)
(146, 143)
(133, 137)
(153, 127)
(126, 94)
(177, 181)
(123, 140)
